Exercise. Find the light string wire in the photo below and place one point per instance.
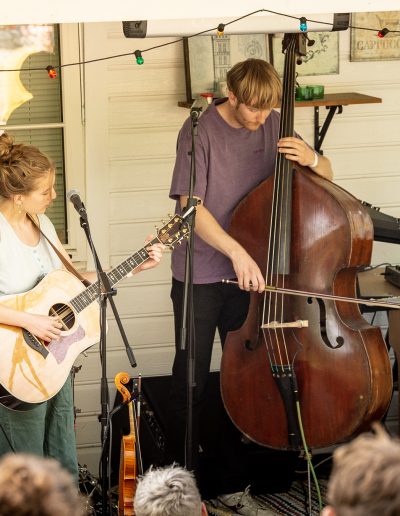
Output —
(58, 67)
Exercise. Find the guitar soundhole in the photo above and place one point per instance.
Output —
(65, 313)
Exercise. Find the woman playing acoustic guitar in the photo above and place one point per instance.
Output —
(27, 179)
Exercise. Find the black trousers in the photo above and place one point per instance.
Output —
(216, 306)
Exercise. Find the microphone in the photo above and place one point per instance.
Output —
(74, 196)
(198, 107)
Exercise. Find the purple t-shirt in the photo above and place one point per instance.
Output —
(230, 162)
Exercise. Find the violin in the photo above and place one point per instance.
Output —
(130, 461)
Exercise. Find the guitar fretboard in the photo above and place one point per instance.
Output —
(85, 298)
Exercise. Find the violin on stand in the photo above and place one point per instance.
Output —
(130, 458)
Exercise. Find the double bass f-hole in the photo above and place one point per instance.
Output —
(130, 466)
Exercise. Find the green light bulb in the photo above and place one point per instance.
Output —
(139, 58)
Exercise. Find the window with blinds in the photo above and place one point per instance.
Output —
(39, 121)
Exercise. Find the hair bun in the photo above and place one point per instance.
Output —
(6, 145)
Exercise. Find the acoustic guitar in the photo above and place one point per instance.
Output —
(33, 371)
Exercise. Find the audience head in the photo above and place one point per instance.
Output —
(170, 491)
(35, 486)
(365, 479)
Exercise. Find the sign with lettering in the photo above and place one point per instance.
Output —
(366, 45)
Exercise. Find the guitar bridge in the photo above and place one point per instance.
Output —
(34, 343)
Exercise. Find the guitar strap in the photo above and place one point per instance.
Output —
(70, 268)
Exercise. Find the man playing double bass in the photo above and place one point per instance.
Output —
(236, 149)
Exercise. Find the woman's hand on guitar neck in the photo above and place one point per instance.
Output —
(44, 327)
(155, 252)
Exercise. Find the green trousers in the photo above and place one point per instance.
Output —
(45, 430)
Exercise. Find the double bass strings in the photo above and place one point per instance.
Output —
(280, 234)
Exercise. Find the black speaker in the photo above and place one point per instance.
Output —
(228, 462)
(135, 29)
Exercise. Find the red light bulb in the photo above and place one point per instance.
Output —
(382, 33)
(51, 71)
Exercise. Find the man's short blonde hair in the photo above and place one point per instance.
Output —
(255, 83)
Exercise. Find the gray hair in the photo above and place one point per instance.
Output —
(170, 491)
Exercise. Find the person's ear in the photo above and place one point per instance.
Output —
(328, 511)
(203, 509)
(232, 99)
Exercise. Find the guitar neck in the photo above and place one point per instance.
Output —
(130, 264)
(91, 293)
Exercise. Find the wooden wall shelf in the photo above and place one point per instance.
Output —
(332, 101)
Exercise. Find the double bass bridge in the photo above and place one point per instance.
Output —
(273, 325)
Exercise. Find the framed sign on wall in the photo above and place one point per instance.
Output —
(322, 57)
(366, 45)
(208, 58)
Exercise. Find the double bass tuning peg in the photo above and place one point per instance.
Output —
(310, 42)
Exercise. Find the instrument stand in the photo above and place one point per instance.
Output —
(106, 293)
(187, 339)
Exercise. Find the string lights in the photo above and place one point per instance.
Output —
(303, 24)
(220, 30)
(51, 72)
(139, 57)
(381, 33)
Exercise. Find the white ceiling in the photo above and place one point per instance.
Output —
(71, 11)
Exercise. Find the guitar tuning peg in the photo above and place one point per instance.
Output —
(179, 242)
(169, 215)
(172, 247)
(155, 225)
(163, 221)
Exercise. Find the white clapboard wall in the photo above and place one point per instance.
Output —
(132, 122)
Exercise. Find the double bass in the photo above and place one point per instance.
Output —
(303, 367)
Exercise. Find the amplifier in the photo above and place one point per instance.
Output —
(392, 274)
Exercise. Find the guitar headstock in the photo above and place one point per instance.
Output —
(174, 231)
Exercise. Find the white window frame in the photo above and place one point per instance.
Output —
(73, 100)
(73, 126)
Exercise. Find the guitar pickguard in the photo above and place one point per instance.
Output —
(59, 348)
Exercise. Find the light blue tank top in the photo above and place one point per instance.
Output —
(22, 266)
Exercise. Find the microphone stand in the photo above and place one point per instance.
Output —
(187, 330)
(106, 293)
